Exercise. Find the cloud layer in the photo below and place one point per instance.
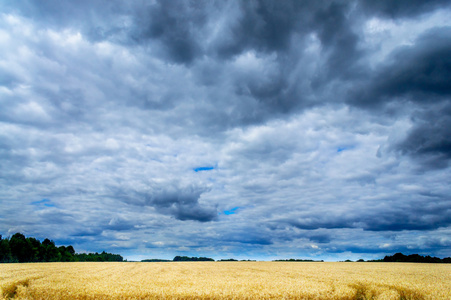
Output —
(252, 129)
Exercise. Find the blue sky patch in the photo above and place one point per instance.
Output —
(231, 211)
(43, 202)
(341, 149)
(203, 169)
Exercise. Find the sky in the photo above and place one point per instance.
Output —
(228, 129)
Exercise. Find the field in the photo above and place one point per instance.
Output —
(225, 280)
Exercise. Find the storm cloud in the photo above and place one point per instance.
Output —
(246, 129)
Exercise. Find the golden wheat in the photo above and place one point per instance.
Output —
(225, 280)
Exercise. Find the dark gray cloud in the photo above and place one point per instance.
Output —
(423, 213)
(321, 129)
(429, 139)
(181, 202)
(263, 26)
(339, 41)
(177, 25)
(419, 73)
(403, 8)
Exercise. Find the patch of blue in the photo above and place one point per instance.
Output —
(341, 149)
(203, 169)
(231, 211)
(43, 202)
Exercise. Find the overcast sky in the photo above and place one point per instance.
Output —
(245, 129)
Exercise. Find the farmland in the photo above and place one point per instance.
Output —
(225, 280)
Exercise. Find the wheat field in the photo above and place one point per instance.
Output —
(225, 280)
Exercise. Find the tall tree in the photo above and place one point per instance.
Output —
(21, 249)
(5, 250)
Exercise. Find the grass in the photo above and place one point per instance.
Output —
(226, 280)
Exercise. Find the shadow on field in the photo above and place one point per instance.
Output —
(10, 291)
(364, 292)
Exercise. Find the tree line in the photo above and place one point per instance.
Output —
(416, 258)
(186, 258)
(20, 249)
(299, 260)
(179, 258)
(412, 258)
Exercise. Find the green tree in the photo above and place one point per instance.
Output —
(21, 249)
(65, 254)
(36, 249)
(71, 250)
(51, 252)
(5, 251)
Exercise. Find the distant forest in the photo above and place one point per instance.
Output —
(20, 249)
(186, 258)
(299, 260)
(399, 257)
(179, 258)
